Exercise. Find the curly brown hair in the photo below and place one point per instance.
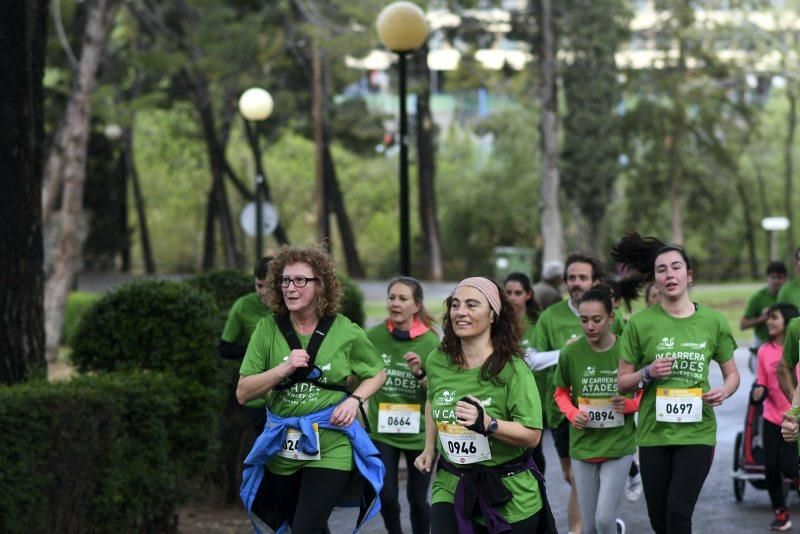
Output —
(329, 290)
(506, 332)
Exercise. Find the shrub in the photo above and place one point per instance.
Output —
(352, 304)
(104, 453)
(78, 303)
(224, 286)
(158, 325)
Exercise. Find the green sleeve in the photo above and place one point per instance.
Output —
(630, 349)
(791, 349)
(524, 406)
(725, 342)
(561, 375)
(751, 311)
(233, 325)
(783, 293)
(364, 358)
(255, 359)
(619, 324)
(540, 339)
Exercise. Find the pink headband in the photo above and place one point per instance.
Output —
(486, 287)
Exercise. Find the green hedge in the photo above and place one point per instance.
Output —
(78, 303)
(108, 453)
(352, 304)
(159, 325)
(224, 286)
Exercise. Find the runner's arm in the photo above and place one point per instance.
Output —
(258, 385)
(787, 380)
(730, 383)
(628, 378)
(541, 360)
(424, 461)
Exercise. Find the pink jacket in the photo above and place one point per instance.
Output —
(775, 404)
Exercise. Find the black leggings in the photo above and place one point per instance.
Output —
(416, 491)
(316, 488)
(780, 460)
(443, 521)
(672, 477)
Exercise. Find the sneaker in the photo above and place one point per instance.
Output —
(620, 526)
(633, 488)
(781, 521)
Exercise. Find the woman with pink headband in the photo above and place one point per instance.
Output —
(483, 415)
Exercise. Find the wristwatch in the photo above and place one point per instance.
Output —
(359, 398)
(492, 428)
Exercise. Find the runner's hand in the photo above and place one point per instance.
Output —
(424, 462)
(345, 413)
(714, 397)
(580, 420)
(413, 361)
(661, 368)
(297, 358)
(467, 414)
(789, 427)
(618, 403)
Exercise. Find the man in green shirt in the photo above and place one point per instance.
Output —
(755, 313)
(557, 327)
(790, 292)
(243, 317)
(791, 355)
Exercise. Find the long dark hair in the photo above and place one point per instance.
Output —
(625, 288)
(506, 331)
(788, 311)
(639, 253)
(531, 308)
(599, 293)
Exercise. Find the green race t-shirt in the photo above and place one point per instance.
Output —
(401, 386)
(345, 351)
(593, 375)
(694, 341)
(543, 377)
(515, 398)
(790, 292)
(791, 343)
(556, 325)
(243, 317)
(755, 307)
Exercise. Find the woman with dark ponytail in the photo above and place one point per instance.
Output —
(666, 349)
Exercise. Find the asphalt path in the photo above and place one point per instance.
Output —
(716, 508)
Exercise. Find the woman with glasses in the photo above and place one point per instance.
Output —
(396, 413)
(299, 359)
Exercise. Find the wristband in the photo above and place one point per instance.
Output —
(422, 374)
(646, 376)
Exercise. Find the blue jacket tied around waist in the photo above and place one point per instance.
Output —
(365, 455)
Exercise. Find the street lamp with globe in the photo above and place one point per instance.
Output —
(255, 105)
(402, 28)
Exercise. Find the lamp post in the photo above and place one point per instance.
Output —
(256, 104)
(773, 225)
(402, 28)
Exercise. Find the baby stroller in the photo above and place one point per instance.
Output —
(748, 454)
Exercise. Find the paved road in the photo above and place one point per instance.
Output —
(717, 508)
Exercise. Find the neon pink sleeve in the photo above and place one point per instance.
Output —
(564, 400)
(632, 405)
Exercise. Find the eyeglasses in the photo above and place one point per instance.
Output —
(299, 281)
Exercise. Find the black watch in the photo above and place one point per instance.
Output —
(492, 428)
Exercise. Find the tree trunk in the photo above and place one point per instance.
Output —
(124, 229)
(354, 267)
(23, 35)
(749, 223)
(210, 237)
(318, 94)
(762, 202)
(550, 213)
(100, 17)
(432, 243)
(216, 157)
(788, 168)
(141, 215)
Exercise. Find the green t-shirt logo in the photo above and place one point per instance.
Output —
(667, 343)
(387, 359)
(446, 398)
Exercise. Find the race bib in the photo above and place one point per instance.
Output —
(463, 446)
(601, 413)
(398, 418)
(291, 445)
(679, 405)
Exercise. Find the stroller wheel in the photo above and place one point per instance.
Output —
(738, 484)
